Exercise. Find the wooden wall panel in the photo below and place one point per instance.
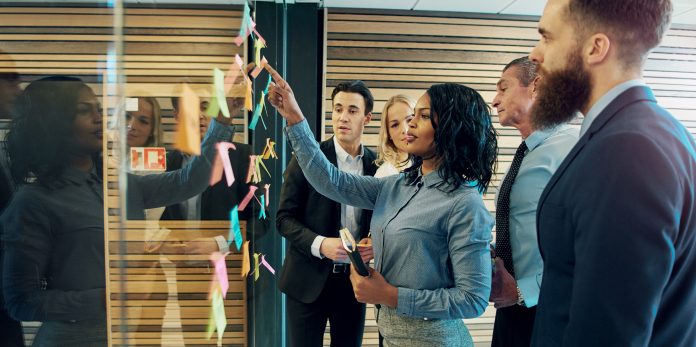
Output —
(405, 52)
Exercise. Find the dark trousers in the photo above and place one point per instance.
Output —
(513, 326)
(337, 304)
(10, 331)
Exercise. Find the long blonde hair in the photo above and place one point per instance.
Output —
(387, 151)
(155, 139)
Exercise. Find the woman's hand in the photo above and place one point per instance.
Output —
(280, 95)
(373, 289)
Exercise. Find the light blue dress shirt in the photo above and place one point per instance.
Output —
(604, 101)
(430, 244)
(546, 150)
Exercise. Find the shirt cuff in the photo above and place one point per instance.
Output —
(222, 244)
(221, 132)
(529, 286)
(316, 246)
(406, 301)
(299, 131)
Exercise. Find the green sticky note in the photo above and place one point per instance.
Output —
(219, 78)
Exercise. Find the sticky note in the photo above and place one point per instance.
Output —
(266, 264)
(269, 150)
(247, 198)
(262, 213)
(246, 267)
(257, 70)
(217, 320)
(267, 188)
(220, 278)
(219, 79)
(131, 104)
(187, 138)
(252, 168)
(256, 266)
(235, 232)
(222, 149)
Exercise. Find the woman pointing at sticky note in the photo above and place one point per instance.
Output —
(430, 229)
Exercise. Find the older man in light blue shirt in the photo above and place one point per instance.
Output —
(518, 264)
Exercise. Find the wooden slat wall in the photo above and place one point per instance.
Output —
(162, 48)
(406, 52)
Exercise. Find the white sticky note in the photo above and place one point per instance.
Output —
(131, 104)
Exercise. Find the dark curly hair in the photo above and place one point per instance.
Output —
(465, 139)
(41, 128)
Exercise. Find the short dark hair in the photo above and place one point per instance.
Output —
(526, 70)
(637, 25)
(465, 138)
(9, 76)
(175, 102)
(358, 87)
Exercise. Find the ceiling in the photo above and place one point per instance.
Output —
(684, 10)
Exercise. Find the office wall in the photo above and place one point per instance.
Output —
(406, 52)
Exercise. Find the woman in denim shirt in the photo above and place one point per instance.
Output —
(430, 228)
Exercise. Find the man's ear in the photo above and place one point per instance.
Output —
(534, 86)
(596, 49)
(368, 118)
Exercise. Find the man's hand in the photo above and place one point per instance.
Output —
(503, 287)
(332, 248)
(202, 245)
(280, 95)
(373, 289)
(366, 251)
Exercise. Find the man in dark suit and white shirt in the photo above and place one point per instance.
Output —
(315, 274)
(617, 221)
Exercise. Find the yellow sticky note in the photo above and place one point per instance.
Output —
(246, 267)
(188, 138)
(256, 266)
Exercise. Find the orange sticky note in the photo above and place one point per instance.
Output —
(188, 138)
(246, 266)
(216, 172)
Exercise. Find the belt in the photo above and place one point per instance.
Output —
(339, 268)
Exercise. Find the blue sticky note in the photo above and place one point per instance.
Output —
(262, 213)
(235, 232)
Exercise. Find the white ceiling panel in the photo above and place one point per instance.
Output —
(382, 4)
(525, 7)
(474, 6)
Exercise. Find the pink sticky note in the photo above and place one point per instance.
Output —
(266, 264)
(267, 187)
(239, 40)
(223, 148)
(247, 198)
(257, 70)
(218, 260)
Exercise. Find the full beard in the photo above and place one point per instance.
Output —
(561, 94)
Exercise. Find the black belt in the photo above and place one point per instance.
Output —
(340, 268)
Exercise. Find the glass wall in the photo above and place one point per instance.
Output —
(146, 171)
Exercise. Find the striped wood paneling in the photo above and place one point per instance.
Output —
(406, 52)
(162, 47)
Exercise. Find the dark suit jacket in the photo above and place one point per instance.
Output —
(302, 215)
(218, 200)
(617, 231)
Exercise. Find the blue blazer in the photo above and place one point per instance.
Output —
(617, 231)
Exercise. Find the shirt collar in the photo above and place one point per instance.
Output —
(344, 156)
(604, 101)
(540, 135)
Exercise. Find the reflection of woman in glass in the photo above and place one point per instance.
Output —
(392, 156)
(54, 227)
(430, 229)
(144, 125)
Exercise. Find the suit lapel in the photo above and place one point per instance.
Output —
(632, 95)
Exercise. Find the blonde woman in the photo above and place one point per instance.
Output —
(392, 157)
(144, 128)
